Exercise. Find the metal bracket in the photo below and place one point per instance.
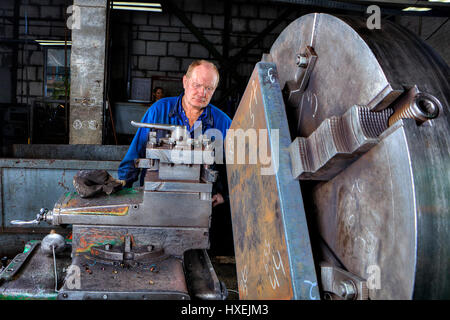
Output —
(336, 143)
(18, 261)
(341, 283)
(125, 254)
(305, 62)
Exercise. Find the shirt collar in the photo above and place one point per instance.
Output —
(206, 116)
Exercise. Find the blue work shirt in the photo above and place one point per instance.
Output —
(167, 111)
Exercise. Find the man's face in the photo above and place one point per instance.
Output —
(159, 94)
(200, 87)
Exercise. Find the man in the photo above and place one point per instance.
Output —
(157, 93)
(193, 105)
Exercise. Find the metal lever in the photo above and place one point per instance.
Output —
(39, 217)
(170, 127)
(179, 133)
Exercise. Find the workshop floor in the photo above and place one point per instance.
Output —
(225, 267)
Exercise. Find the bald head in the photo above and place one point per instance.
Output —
(199, 84)
(204, 63)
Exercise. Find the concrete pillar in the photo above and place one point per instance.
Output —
(87, 68)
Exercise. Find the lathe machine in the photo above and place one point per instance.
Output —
(139, 243)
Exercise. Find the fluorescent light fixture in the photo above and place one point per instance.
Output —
(137, 6)
(142, 4)
(53, 42)
(416, 9)
(444, 1)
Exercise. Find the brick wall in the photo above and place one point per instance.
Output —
(163, 46)
(39, 19)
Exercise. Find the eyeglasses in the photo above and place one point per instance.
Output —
(197, 86)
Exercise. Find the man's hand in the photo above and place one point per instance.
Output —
(122, 182)
(217, 199)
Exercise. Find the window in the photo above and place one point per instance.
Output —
(55, 73)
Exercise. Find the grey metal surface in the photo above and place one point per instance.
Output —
(398, 223)
(36, 278)
(53, 243)
(14, 266)
(342, 284)
(70, 152)
(389, 209)
(181, 156)
(133, 207)
(127, 254)
(331, 91)
(201, 277)
(179, 172)
(28, 185)
(336, 143)
(154, 183)
(177, 186)
(406, 60)
(123, 295)
(367, 67)
(179, 209)
(106, 282)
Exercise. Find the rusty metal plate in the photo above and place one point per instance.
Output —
(272, 246)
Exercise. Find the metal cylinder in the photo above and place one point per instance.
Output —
(53, 241)
(422, 108)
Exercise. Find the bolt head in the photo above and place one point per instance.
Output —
(347, 290)
(301, 61)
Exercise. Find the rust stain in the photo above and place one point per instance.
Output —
(87, 241)
(97, 237)
(114, 211)
(261, 254)
(62, 185)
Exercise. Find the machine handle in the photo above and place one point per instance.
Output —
(39, 217)
(178, 132)
(169, 127)
(21, 222)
